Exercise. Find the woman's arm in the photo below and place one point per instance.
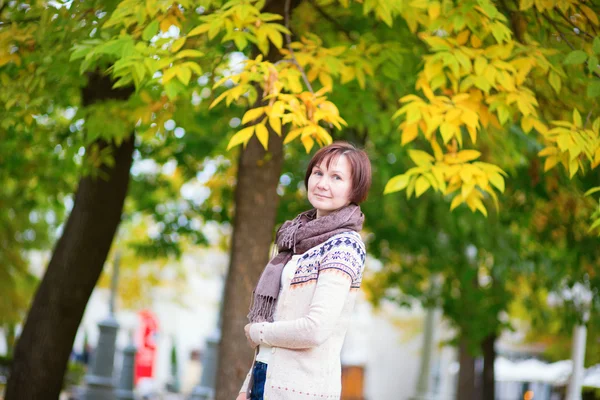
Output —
(339, 267)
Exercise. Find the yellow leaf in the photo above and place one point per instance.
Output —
(589, 13)
(409, 133)
(470, 118)
(577, 118)
(497, 180)
(527, 124)
(453, 114)
(325, 79)
(275, 124)
(178, 44)
(475, 203)
(396, 184)
(468, 155)
(308, 143)
(480, 64)
(433, 10)
(199, 30)
(573, 168)
(218, 99)
(241, 137)
(420, 157)
(550, 163)
(475, 41)
(169, 74)
(447, 131)
(462, 37)
(437, 150)
(548, 151)
(293, 134)
(252, 114)
(184, 74)
(421, 186)
(466, 189)
(456, 201)
(262, 133)
(540, 126)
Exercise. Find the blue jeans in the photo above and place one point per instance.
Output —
(259, 374)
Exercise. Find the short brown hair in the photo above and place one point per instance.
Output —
(359, 164)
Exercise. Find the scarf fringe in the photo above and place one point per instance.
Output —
(262, 309)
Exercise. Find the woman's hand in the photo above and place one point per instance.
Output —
(241, 396)
(247, 332)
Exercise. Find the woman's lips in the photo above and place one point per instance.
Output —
(321, 196)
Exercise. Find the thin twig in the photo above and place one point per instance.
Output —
(571, 22)
(591, 23)
(331, 19)
(288, 40)
(587, 119)
(551, 21)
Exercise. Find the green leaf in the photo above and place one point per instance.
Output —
(554, 80)
(189, 53)
(151, 30)
(592, 190)
(596, 45)
(593, 64)
(576, 57)
(593, 90)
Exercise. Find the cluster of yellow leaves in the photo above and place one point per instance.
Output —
(286, 103)
(448, 173)
(340, 62)
(243, 23)
(571, 143)
(475, 78)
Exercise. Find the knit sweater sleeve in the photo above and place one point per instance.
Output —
(340, 269)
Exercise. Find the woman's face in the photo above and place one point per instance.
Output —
(329, 189)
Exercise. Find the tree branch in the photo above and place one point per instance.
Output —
(591, 24)
(571, 22)
(288, 40)
(331, 19)
(551, 21)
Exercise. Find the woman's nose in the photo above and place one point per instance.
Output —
(323, 183)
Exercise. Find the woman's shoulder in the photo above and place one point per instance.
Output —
(350, 240)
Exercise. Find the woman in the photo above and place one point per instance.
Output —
(305, 296)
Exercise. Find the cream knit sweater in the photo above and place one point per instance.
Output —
(311, 320)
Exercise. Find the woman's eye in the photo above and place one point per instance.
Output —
(337, 177)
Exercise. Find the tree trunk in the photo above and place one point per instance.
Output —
(256, 202)
(466, 376)
(44, 346)
(489, 357)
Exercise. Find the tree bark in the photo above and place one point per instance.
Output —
(466, 376)
(44, 346)
(489, 357)
(256, 202)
